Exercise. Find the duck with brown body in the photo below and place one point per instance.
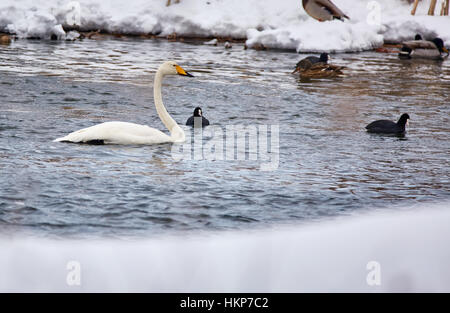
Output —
(323, 10)
(317, 67)
(5, 39)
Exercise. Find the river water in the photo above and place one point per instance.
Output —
(326, 164)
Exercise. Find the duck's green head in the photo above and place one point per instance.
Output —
(440, 45)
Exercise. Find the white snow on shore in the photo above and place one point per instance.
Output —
(273, 23)
(404, 251)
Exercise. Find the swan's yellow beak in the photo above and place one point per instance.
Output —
(445, 49)
(182, 72)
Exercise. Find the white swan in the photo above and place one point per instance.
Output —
(129, 133)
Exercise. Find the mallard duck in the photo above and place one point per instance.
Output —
(423, 49)
(314, 67)
(199, 114)
(323, 10)
(389, 127)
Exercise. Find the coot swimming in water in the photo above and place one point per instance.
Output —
(199, 114)
(306, 62)
(389, 127)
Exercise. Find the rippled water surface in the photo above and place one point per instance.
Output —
(328, 164)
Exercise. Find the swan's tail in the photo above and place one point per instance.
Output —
(77, 136)
(61, 139)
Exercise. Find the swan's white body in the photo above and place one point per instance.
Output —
(119, 133)
(129, 133)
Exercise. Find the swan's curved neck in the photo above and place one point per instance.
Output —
(168, 121)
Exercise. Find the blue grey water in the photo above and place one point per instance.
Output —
(328, 165)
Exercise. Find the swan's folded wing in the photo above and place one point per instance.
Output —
(117, 133)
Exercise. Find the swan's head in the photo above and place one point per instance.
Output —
(172, 68)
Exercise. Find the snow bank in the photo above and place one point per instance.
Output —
(273, 23)
(405, 251)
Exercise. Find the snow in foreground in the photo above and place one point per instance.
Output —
(273, 23)
(406, 251)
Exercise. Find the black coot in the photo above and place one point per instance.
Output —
(389, 127)
(324, 57)
(199, 114)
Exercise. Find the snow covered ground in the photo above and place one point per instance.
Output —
(273, 23)
(404, 251)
